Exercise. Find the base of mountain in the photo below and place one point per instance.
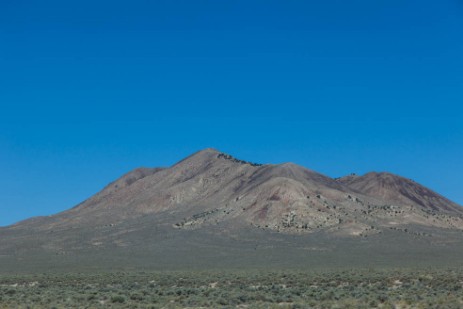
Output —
(247, 249)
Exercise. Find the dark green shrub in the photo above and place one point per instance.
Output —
(118, 299)
(91, 297)
(136, 297)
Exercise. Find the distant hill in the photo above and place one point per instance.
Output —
(211, 208)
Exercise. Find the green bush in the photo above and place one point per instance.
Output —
(118, 299)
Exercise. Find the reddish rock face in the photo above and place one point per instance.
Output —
(398, 190)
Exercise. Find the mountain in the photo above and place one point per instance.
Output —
(210, 200)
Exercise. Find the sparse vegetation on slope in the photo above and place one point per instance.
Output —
(233, 159)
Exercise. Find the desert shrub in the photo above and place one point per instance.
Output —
(136, 297)
(291, 289)
(222, 301)
(91, 297)
(10, 292)
(118, 299)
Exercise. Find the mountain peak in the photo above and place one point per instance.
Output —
(200, 156)
(399, 190)
(383, 175)
(205, 153)
(209, 150)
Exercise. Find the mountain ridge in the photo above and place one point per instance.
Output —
(215, 195)
(372, 185)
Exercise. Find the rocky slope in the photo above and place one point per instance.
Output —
(400, 191)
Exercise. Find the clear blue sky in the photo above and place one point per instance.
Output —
(92, 89)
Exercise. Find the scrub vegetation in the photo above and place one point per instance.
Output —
(234, 289)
